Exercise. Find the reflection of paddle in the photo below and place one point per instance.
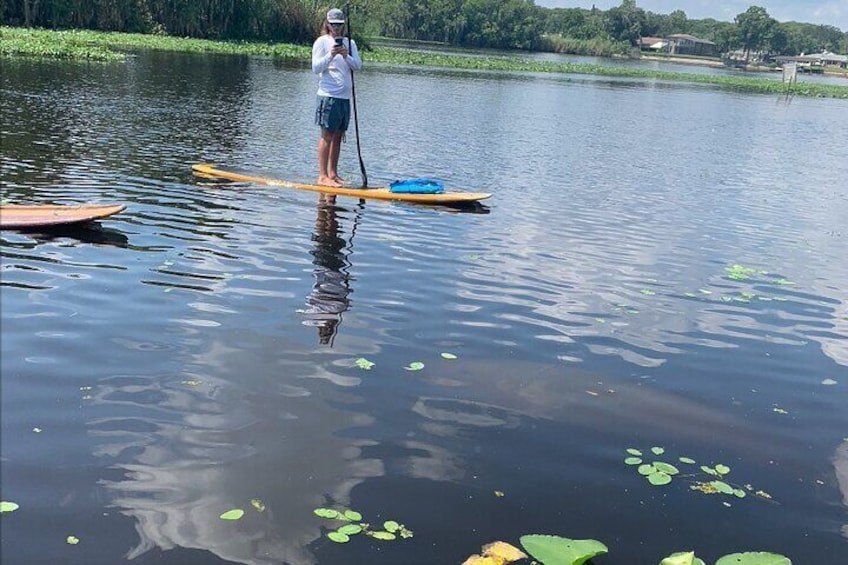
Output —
(353, 94)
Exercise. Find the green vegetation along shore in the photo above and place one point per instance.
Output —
(113, 46)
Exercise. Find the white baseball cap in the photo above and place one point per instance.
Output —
(335, 16)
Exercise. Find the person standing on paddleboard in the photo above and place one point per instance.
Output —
(334, 58)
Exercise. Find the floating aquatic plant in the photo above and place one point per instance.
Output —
(72, 540)
(660, 473)
(234, 514)
(354, 525)
(556, 550)
(415, 366)
(7, 506)
(364, 363)
(446, 355)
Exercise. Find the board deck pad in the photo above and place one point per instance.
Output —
(16, 216)
(206, 170)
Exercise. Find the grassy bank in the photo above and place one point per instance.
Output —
(108, 46)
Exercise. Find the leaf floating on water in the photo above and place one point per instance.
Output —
(350, 529)
(555, 549)
(352, 515)
(72, 540)
(338, 537)
(256, 503)
(37, 430)
(415, 366)
(740, 273)
(658, 478)
(645, 469)
(682, 558)
(722, 469)
(7, 506)
(386, 536)
(391, 526)
(499, 493)
(326, 513)
(633, 461)
(829, 382)
(657, 450)
(234, 514)
(754, 558)
(446, 355)
(722, 487)
(634, 451)
(364, 363)
(687, 460)
(666, 468)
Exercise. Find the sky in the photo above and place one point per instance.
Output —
(826, 12)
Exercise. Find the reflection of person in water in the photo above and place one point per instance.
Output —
(328, 299)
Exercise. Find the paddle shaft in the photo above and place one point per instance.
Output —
(353, 96)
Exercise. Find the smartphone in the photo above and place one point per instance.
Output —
(339, 41)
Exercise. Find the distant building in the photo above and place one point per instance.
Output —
(684, 44)
(823, 59)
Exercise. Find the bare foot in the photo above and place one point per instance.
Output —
(327, 181)
(338, 179)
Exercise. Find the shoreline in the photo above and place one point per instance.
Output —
(719, 64)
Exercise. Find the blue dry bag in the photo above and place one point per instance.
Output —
(417, 186)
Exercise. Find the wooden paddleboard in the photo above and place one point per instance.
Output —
(14, 216)
(378, 193)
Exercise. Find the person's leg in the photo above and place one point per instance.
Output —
(333, 161)
(325, 145)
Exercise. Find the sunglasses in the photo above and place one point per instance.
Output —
(336, 25)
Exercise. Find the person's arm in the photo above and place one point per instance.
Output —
(353, 60)
(321, 57)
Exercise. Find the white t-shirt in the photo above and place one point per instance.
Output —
(334, 72)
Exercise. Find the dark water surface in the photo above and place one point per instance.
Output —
(199, 350)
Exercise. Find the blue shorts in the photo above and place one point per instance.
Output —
(332, 114)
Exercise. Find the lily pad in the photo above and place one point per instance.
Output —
(682, 558)
(352, 515)
(722, 469)
(415, 366)
(72, 540)
(658, 478)
(446, 355)
(633, 461)
(326, 513)
(633, 451)
(350, 529)
(555, 550)
(657, 450)
(387, 536)
(234, 514)
(6, 506)
(722, 487)
(754, 558)
(666, 468)
(391, 526)
(687, 460)
(646, 469)
(338, 537)
(258, 504)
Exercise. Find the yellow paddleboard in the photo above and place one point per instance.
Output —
(379, 193)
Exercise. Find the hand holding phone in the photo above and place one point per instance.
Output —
(339, 41)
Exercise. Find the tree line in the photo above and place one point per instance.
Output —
(506, 24)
